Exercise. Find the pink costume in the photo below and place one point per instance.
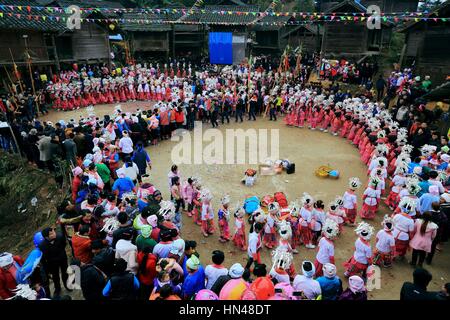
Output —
(370, 206)
(239, 238)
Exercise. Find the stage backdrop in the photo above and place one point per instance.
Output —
(221, 47)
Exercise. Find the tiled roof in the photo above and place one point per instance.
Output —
(144, 22)
(25, 19)
(240, 15)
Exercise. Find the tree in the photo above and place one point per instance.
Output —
(429, 5)
(305, 6)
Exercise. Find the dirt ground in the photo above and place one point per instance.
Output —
(308, 150)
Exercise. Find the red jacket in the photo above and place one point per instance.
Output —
(7, 280)
(82, 248)
(150, 268)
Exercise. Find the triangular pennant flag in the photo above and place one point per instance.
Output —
(20, 8)
(1, 14)
(29, 8)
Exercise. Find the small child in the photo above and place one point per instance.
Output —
(350, 201)
(325, 254)
(385, 247)
(270, 239)
(305, 221)
(362, 256)
(207, 216)
(340, 211)
(334, 214)
(224, 217)
(371, 196)
(318, 220)
(240, 238)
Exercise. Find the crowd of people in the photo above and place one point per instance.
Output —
(129, 241)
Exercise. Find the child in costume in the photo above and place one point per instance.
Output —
(385, 246)
(282, 260)
(240, 238)
(207, 216)
(224, 217)
(397, 182)
(362, 256)
(270, 238)
(350, 200)
(325, 254)
(294, 210)
(304, 221)
(340, 211)
(371, 197)
(404, 225)
(318, 220)
(285, 233)
(197, 204)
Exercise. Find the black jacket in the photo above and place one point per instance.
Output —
(53, 253)
(104, 260)
(220, 283)
(92, 282)
(413, 292)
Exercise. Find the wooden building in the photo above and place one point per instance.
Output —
(428, 45)
(23, 36)
(341, 39)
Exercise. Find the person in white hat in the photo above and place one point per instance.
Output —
(330, 283)
(9, 272)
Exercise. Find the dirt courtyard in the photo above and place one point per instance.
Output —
(308, 150)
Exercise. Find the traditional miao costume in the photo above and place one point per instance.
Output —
(403, 225)
(336, 125)
(326, 122)
(223, 216)
(270, 239)
(304, 221)
(282, 261)
(325, 252)
(385, 246)
(397, 182)
(362, 256)
(371, 196)
(350, 200)
(240, 237)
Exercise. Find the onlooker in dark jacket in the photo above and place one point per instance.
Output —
(418, 289)
(54, 257)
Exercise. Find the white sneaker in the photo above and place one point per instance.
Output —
(310, 246)
(294, 251)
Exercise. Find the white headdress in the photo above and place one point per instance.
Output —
(407, 148)
(381, 134)
(285, 230)
(412, 184)
(281, 258)
(388, 223)
(239, 212)
(339, 201)
(110, 225)
(307, 199)
(205, 195)
(364, 230)
(330, 229)
(408, 205)
(273, 208)
(427, 150)
(374, 180)
(167, 210)
(259, 215)
(354, 183)
(382, 149)
(225, 199)
(24, 291)
(294, 208)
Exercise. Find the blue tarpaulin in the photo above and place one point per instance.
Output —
(221, 47)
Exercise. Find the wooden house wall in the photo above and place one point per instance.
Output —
(309, 41)
(90, 43)
(267, 38)
(347, 39)
(433, 54)
(150, 41)
(14, 40)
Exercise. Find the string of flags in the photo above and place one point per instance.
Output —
(196, 9)
(301, 20)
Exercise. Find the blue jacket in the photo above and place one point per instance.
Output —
(331, 288)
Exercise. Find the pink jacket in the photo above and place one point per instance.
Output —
(423, 242)
(188, 192)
